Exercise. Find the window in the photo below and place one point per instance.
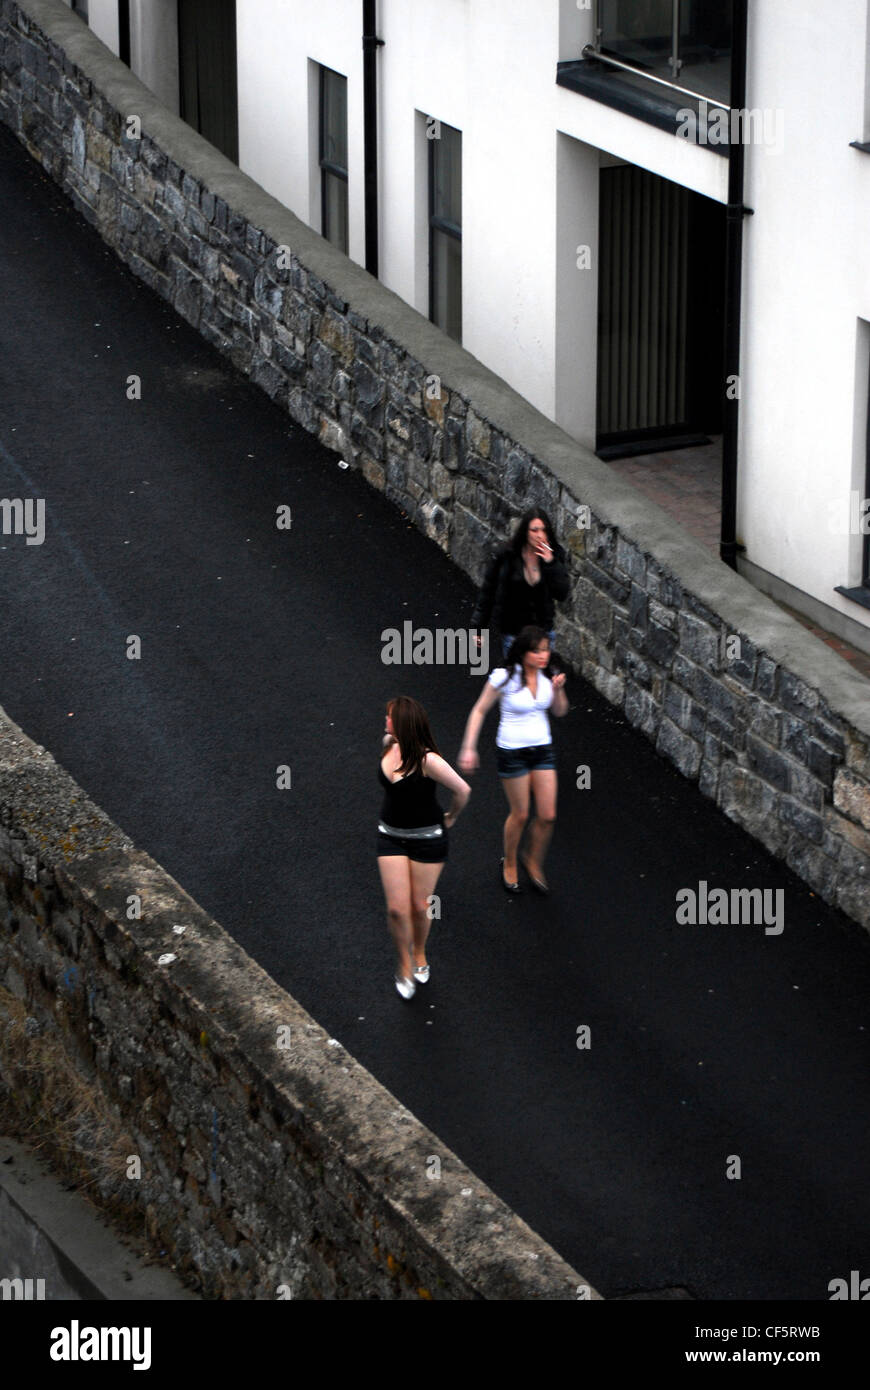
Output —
(865, 558)
(207, 71)
(683, 42)
(849, 512)
(638, 34)
(445, 227)
(333, 158)
(864, 142)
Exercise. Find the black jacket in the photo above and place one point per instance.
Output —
(507, 601)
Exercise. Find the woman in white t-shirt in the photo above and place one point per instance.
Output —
(525, 751)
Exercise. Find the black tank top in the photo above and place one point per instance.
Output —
(410, 802)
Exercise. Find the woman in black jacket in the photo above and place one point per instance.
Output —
(524, 581)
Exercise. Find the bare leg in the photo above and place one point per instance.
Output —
(423, 880)
(516, 789)
(541, 829)
(396, 878)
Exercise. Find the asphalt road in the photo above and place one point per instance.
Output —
(263, 647)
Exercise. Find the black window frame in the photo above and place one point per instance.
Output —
(865, 559)
(328, 167)
(861, 592)
(443, 224)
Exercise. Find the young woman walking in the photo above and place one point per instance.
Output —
(526, 764)
(524, 581)
(412, 832)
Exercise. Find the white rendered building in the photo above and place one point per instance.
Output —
(551, 188)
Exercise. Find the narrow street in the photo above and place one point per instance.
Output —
(261, 648)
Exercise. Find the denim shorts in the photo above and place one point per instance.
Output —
(519, 762)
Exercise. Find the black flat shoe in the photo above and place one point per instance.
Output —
(508, 887)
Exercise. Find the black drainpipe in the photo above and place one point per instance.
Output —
(370, 131)
(728, 546)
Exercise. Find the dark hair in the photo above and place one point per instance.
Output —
(521, 535)
(411, 731)
(525, 641)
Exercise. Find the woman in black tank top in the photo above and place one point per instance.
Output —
(412, 833)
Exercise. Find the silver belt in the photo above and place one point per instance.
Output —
(420, 832)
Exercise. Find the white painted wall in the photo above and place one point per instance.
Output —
(103, 21)
(425, 68)
(484, 67)
(277, 107)
(807, 284)
(154, 47)
(578, 168)
(531, 151)
(153, 41)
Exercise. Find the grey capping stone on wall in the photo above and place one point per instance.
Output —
(461, 453)
(262, 1166)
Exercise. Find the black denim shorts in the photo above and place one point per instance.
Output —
(519, 762)
(431, 851)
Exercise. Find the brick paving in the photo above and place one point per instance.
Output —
(686, 483)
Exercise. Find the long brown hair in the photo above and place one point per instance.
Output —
(520, 537)
(528, 640)
(411, 731)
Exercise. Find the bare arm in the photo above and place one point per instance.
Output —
(559, 703)
(468, 759)
(439, 770)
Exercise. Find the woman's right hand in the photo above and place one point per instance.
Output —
(468, 760)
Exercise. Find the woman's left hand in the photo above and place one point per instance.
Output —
(559, 681)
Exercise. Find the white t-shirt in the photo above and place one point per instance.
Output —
(524, 722)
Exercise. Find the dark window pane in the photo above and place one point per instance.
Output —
(334, 135)
(445, 221)
(447, 195)
(705, 47)
(447, 283)
(639, 32)
(865, 577)
(335, 210)
(333, 157)
(207, 71)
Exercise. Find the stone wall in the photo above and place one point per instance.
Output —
(774, 727)
(271, 1164)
